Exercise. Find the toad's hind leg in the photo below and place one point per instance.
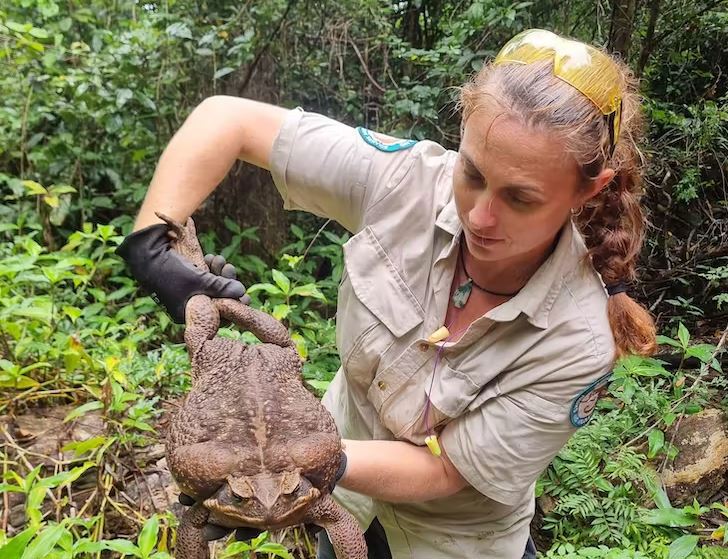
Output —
(190, 543)
(202, 321)
(342, 528)
(184, 240)
(266, 328)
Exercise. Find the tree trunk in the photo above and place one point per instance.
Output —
(649, 43)
(620, 36)
(247, 195)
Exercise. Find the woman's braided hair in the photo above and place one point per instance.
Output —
(612, 223)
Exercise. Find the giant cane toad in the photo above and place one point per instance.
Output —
(250, 444)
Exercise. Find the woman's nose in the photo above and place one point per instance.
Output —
(481, 216)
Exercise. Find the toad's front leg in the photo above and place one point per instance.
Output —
(342, 528)
(190, 543)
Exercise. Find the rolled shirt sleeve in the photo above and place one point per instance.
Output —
(326, 168)
(501, 447)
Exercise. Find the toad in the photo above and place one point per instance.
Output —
(250, 444)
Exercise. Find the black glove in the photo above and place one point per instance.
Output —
(169, 276)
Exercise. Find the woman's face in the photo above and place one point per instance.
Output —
(514, 188)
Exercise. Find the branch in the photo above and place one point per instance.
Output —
(364, 67)
(264, 48)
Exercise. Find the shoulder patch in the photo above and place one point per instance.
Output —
(383, 142)
(583, 405)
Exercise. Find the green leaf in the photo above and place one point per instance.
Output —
(79, 448)
(44, 543)
(179, 30)
(72, 312)
(123, 96)
(235, 548)
(275, 549)
(19, 382)
(223, 72)
(59, 189)
(320, 385)
(308, 290)
(81, 410)
(14, 548)
(682, 547)
(124, 547)
(267, 287)
(35, 499)
(34, 188)
(19, 27)
(280, 312)
(281, 281)
(656, 442)
(64, 478)
(704, 352)
(683, 335)
(148, 536)
(675, 518)
(301, 345)
(664, 340)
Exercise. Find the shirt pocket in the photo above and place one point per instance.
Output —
(409, 417)
(375, 307)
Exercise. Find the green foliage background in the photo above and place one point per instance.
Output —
(94, 90)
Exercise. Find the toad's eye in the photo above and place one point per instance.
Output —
(237, 498)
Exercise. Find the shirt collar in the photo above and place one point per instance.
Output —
(537, 297)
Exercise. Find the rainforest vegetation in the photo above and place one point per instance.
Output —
(91, 367)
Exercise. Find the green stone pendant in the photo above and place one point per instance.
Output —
(462, 293)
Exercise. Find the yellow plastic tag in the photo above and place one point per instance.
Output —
(438, 335)
(433, 445)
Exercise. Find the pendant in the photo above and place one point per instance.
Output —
(462, 294)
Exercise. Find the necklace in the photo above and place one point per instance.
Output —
(462, 293)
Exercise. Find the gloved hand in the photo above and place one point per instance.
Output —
(172, 278)
(215, 532)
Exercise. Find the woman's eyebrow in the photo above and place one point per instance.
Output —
(513, 186)
(469, 161)
(529, 188)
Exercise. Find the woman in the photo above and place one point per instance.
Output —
(474, 327)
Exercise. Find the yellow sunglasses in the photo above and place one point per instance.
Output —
(582, 66)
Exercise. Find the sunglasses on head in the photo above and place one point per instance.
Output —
(582, 66)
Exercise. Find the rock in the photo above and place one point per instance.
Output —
(155, 491)
(545, 504)
(698, 470)
(16, 518)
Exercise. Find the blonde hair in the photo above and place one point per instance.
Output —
(612, 223)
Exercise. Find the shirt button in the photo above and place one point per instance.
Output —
(382, 385)
(424, 347)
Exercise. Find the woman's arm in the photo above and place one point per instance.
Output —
(396, 471)
(220, 130)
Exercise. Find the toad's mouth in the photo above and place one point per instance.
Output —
(251, 513)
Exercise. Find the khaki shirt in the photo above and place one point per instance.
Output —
(503, 397)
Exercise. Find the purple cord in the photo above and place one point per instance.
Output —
(438, 356)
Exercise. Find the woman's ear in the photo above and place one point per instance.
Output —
(595, 186)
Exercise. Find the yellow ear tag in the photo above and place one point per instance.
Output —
(433, 445)
(438, 335)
